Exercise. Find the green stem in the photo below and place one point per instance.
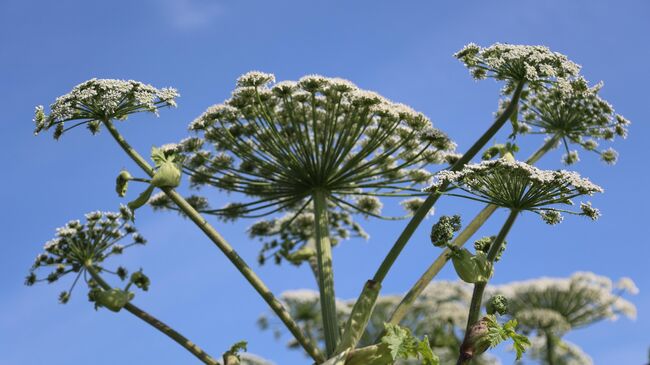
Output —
(157, 324)
(421, 213)
(550, 348)
(479, 288)
(404, 306)
(224, 246)
(325, 272)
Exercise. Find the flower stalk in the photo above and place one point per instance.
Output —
(223, 245)
(421, 213)
(479, 288)
(325, 272)
(403, 307)
(156, 323)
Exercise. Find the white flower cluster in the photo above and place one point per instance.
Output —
(573, 110)
(517, 63)
(543, 300)
(279, 142)
(78, 245)
(517, 185)
(97, 100)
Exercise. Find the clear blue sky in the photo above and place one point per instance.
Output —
(399, 49)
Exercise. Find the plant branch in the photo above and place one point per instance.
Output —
(224, 246)
(422, 212)
(479, 288)
(157, 324)
(325, 272)
(403, 307)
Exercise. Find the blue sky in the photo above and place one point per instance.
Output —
(399, 49)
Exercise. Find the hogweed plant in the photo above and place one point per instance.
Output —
(304, 158)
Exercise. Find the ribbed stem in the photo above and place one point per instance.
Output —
(158, 324)
(404, 306)
(479, 288)
(422, 212)
(550, 348)
(224, 246)
(325, 272)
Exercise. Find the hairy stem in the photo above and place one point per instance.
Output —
(224, 246)
(157, 324)
(422, 212)
(479, 288)
(404, 306)
(325, 272)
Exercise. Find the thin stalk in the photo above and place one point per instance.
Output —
(421, 213)
(158, 324)
(224, 246)
(404, 306)
(479, 288)
(325, 272)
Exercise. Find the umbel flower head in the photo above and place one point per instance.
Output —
(535, 65)
(519, 186)
(561, 304)
(280, 142)
(97, 100)
(79, 247)
(576, 113)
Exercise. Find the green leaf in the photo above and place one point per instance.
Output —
(497, 334)
(236, 349)
(400, 342)
(428, 357)
(158, 156)
(168, 175)
(113, 299)
(471, 268)
(141, 200)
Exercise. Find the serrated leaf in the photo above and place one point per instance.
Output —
(428, 357)
(400, 342)
(158, 156)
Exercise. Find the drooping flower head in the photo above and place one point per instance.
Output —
(577, 114)
(78, 246)
(535, 65)
(96, 100)
(519, 186)
(561, 304)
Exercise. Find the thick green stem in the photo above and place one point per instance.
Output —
(422, 212)
(550, 348)
(404, 306)
(479, 288)
(325, 272)
(224, 246)
(158, 324)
